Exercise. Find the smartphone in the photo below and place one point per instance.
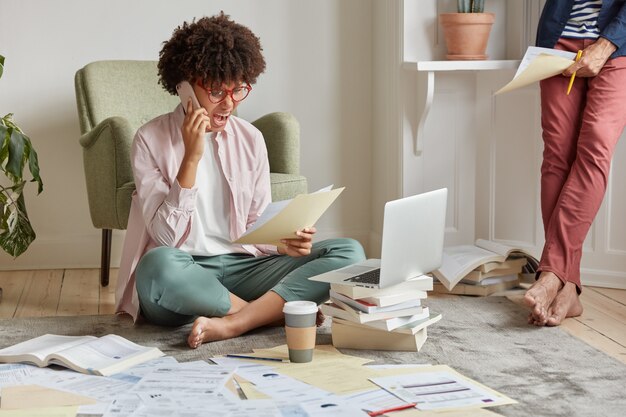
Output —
(185, 91)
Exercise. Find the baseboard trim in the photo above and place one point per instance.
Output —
(603, 278)
(83, 252)
(76, 253)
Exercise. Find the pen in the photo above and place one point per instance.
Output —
(256, 358)
(571, 80)
(388, 410)
(240, 393)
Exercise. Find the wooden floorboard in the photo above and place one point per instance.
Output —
(78, 292)
(604, 317)
(594, 338)
(42, 289)
(616, 295)
(12, 284)
(107, 294)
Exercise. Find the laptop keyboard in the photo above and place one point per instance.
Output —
(369, 277)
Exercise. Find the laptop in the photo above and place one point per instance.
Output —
(412, 244)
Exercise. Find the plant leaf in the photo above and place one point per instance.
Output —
(33, 164)
(15, 241)
(1, 65)
(15, 164)
(17, 150)
(4, 145)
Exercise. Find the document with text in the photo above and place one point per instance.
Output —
(281, 220)
(538, 64)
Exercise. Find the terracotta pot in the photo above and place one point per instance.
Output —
(466, 34)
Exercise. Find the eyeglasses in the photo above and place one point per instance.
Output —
(237, 94)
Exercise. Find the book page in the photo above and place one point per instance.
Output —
(303, 211)
(506, 250)
(43, 346)
(496, 247)
(103, 353)
(458, 261)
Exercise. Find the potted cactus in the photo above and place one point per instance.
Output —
(467, 31)
(16, 152)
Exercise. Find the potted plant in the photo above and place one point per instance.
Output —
(16, 151)
(467, 31)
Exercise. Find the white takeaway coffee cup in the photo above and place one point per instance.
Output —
(300, 329)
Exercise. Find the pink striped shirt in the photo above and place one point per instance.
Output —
(161, 210)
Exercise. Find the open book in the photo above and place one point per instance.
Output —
(481, 290)
(459, 261)
(104, 355)
(281, 219)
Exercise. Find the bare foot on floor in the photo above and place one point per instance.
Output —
(566, 304)
(540, 297)
(206, 329)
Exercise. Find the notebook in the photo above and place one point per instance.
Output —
(412, 244)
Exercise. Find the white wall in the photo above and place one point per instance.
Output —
(318, 54)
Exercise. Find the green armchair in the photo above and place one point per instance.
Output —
(114, 99)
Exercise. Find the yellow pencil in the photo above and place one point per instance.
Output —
(571, 80)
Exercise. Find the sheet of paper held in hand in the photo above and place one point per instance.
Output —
(282, 219)
(538, 64)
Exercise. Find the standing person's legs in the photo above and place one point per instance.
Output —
(561, 118)
(604, 118)
(271, 281)
(580, 197)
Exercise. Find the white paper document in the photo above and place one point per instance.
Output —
(538, 64)
(440, 389)
(374, 400)
(191, 379)
(280, 220)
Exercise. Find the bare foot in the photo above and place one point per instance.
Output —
(206, 329)
(540, 296)
(260, 312)
(566, 304)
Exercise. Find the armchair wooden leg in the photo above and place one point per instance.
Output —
(105, 260)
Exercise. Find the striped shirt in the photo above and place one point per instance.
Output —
(583, 20)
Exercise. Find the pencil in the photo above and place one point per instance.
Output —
(388, 410)
(571, 80)
(255, 358)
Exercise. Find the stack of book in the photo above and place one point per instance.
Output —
(392, 318)
(483, 269)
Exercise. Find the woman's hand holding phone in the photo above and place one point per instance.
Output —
(195, 126)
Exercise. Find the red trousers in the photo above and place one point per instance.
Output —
(580, 131)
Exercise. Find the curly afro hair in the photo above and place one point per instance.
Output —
(214, 49)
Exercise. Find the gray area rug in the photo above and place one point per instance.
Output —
(549, 372)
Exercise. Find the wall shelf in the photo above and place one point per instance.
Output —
(432, 66)
(426, 82)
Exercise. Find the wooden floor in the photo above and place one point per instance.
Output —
(77, 292)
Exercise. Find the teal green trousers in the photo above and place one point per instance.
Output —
(175, 287)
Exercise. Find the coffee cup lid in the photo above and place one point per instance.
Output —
(300, 307)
